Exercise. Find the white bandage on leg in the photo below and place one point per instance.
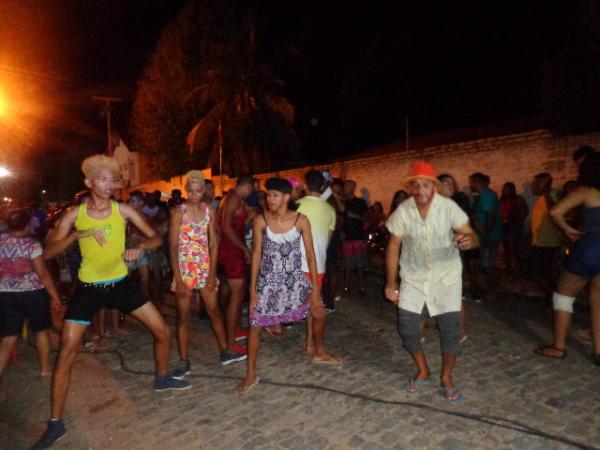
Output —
(562, 302)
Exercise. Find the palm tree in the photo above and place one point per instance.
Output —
(243, 95)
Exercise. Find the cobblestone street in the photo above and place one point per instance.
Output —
(513, 398)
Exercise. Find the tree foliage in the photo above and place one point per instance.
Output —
(207, 69)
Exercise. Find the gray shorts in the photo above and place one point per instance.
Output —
(448, 325)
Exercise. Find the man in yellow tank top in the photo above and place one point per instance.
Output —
(100, 229)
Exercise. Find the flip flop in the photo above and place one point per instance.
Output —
(413, 385)
(453, 395)
(540, 351)
(240, 391)
(334, 360)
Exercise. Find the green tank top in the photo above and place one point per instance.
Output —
(102, 263)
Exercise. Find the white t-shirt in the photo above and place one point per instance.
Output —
(430, 266)
(321, 216)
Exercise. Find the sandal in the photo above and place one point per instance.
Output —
(331, 360)
(542, 351)
(243, 390)
(414, 385)
(453, 395)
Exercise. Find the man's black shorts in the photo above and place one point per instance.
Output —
(92, 297)
(16, 307)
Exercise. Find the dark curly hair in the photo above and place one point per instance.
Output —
(589, 171)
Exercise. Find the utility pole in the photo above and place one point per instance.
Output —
(107, 101)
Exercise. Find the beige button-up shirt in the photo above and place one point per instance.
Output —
(430, 266)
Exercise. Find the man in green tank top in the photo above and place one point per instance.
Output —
(100, 229)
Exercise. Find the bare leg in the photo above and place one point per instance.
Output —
(42, 347)
(253, 344)
(421, 362)
(595, 307)
(216, 317)
(6, 345)
(118, 328)
(347, 274)
(569, 285)
(448, 363)
(145, 280)
(309, 346)
(234, 309)
(184, 306)
(149, 316)
(70, 341)
(318, 325)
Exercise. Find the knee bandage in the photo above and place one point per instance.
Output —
(562, 302)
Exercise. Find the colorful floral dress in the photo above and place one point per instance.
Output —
(194, 257)
(283, 289)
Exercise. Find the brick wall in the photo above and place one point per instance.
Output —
(515, 157)
(510, 157)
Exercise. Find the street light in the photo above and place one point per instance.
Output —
(4, 172)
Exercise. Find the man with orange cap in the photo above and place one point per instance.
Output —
(432, 229)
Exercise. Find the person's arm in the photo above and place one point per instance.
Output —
(465, 238)
(392, 261)
(213, 250)
(39, 265)
(311, 259)
(154, 240)
(558, 212)
(231, 206)
(174, 226)
(63, 235)
(257, 240)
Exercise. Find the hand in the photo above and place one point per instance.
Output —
(247, 255)
(55, 304)
(132, 254)
(392, 294)
(213, 282)
(573, 234)
(96, 234)
(463, 241)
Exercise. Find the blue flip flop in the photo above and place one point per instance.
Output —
(414, 385)
(453, 395)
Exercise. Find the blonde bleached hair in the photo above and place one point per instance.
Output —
(194, 176)
(95, 163)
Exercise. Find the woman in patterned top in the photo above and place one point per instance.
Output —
(279, 289)
(24, 287)
(193, 251)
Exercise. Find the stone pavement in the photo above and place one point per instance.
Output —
(511, 396)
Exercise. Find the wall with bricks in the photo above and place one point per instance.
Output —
(511, 157)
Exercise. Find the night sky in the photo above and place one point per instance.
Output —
(359, 68)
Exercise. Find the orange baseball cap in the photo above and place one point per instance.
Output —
(422, 170)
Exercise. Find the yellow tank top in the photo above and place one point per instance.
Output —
(102, 263)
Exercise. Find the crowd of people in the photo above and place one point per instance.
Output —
(286, 253)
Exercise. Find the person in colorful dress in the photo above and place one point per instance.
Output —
(279, 289)
(193, 249)
(25, 283)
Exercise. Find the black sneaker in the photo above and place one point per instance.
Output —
(168, 383)
(185, 368)
(55, 432)
(231, 356)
